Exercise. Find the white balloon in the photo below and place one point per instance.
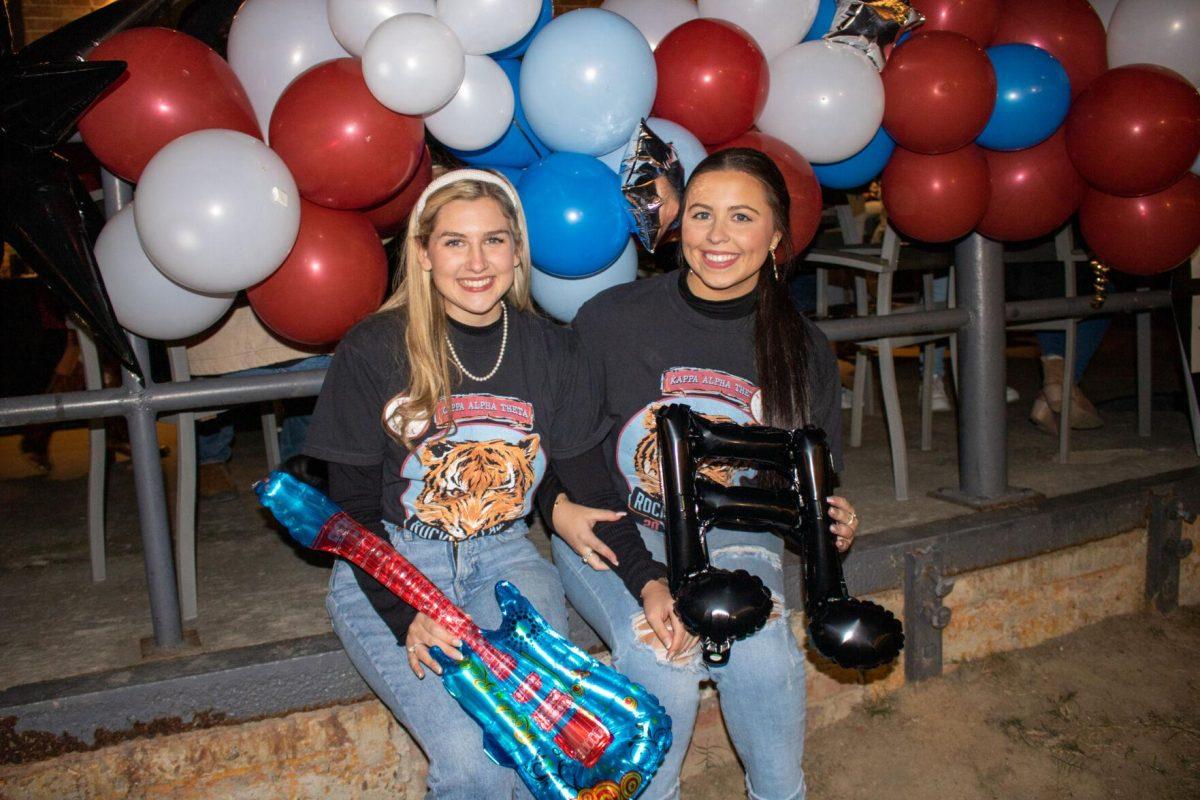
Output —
(1104, 9)
(485, 26)
(614, 158)
(413, 64)
(273, 41)
(217, 211)
(775, 25)
(825, 100)
(561, 298)
(481, 110)
(353, 21)
(654, 18)
(146, 301)
(1163, 32)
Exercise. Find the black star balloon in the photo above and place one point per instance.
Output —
(48, 217)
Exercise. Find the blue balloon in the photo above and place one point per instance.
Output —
(578, 219)
(587, 80)
(823, 21)
(512, 173)
(860, 168)
(518, 49)
(1033, 94)
(561, 298)
(518, 147)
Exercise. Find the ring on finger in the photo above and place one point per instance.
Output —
(587, 554)
(412, 649)
(853, 518)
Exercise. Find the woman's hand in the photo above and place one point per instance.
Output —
(574, 524)
(845, 522)
(423, 634)
(660, 614)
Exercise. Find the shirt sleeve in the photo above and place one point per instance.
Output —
(356, 491)
(578, 423)
(586, 481)
(826, 391)
(346, 427)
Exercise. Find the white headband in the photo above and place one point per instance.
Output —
(454, 176)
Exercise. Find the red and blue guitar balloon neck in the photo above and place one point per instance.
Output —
(572, 728)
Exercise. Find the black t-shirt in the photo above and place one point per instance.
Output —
(478, 476)
(653, 348)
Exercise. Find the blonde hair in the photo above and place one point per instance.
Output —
(425, 324)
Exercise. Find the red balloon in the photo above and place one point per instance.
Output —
(174, 85)
(1143, 235)
(939, 89)
(803, 189)
(334, 276)
(974, 19)
(389, 216)
(1135, 130)
(936, 198)
(1034, 191)
(1069, 30)
(344, 148)
(712, 79)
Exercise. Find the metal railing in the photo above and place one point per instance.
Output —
(979, 320)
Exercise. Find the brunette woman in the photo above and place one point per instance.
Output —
(721, 335)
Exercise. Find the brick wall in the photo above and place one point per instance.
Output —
(36, 18)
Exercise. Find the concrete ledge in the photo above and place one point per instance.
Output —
(255, 704)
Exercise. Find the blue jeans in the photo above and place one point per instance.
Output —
(458, 767)
(761, 690)
(215, 445)
(1088, 335)
(941, 292)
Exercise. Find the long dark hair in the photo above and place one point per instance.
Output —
(781, 341)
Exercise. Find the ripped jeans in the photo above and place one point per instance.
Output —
(761, 690)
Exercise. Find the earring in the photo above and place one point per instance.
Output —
(774, 265)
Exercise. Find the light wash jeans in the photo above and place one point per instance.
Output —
(214, 438)
(761, 689)
(458, 767)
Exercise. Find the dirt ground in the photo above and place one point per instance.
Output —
(1111, 711)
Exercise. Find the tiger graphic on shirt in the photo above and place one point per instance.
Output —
(719, 397)
(645, 456)
(473, 486)
(475, 468)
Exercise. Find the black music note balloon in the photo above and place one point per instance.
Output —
(721, 606)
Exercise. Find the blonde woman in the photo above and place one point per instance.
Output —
(438, 417)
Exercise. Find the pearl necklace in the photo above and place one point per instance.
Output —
(499, 358)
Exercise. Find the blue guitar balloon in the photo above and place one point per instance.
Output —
(571, 727)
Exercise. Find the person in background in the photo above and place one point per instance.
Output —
(241, 345)
(1047, 406)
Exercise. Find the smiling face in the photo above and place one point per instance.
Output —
(472, 259)
(728, 230)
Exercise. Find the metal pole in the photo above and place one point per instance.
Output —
(982, 456)
(983, 423)
(152, 512)
(147, 473)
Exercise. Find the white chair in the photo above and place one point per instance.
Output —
(883, 262)
(93, 378)
(185, 501)
(185, 490)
